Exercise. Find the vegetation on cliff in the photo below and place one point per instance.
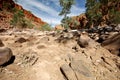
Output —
(103, 12)
(98, 13)
(20, 20)
(14, 15)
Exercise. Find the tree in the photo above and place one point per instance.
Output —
(66, 6)
(106, 11)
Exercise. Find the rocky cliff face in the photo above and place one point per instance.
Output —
(6, 16)
(29, 15)
(82, 19)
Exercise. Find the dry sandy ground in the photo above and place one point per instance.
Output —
(39, 57)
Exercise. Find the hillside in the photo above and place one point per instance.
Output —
(8, 9)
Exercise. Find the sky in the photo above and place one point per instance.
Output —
(48, 10)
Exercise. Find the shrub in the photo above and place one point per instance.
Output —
(46, 27)
(20, 21)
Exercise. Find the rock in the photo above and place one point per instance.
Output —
(41, 46)
(108, 29)
(83, 40)
(1, 43)
(44, 39)
(5, 55)
(81, 71)
(59, 27)
(117, 28)
(113, 44)
(68, 72)
(2, 30)
(21, 40)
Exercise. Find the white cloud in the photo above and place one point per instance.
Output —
(76, 10)
(38, 8)
(51, 20)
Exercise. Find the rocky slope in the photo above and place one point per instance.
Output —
(6, 15)
(57, 56)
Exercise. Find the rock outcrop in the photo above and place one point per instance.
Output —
(58, 27)
(8, 5)
(113, 44)
(5, 55)
(81, 20)
(1, 43)
(29, 15)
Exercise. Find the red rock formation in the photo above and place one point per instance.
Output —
(82, 19)
(58, 27)
(27, 14)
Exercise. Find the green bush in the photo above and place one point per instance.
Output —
(46, 27)
(20, 21)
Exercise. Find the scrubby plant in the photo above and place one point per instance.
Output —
(19, 20)
(46, 27)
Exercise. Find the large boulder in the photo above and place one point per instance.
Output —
(83, 40)
(5, 55)
(82, 71)
(21, 40)
(1, 43)
(68, 72)
(113, 44)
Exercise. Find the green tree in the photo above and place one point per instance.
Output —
(97, 9)
(66, 6)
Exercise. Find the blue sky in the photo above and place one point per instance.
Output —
(48, 10)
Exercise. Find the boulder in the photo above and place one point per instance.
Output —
(113, 44)
(21, 40)
(5, 55)
(83, 41)
(81, 71)
(117, 28)
(2, 30)
(68, 72)
(1, 43)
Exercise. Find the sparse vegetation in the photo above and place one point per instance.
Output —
(68, 22)
(20, 21)
(46, 27)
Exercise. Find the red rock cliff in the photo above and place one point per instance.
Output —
(28, 14)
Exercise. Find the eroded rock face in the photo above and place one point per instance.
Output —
(1, 43)
(30, 15)
(113, 44)
(5, 55)
(82, 20)
(68, 72)
(6, 17)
